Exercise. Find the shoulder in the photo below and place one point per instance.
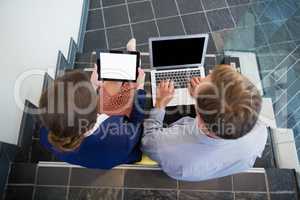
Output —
(260, 128)
(257, 136)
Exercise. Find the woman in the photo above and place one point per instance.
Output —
(76, 133)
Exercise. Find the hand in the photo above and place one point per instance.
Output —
(140, 82)
(193, 86)
(94, 79)
(164, 94)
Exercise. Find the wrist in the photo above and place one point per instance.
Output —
(159, 105)
(141, 87)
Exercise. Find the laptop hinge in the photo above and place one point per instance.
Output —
(164, 69)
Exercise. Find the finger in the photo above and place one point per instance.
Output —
(163, 87)
(141, 76)
(93, 75)
(141, 71)
(171, 87)
(189, 87)
(193, 82)
(161, 84)
(197, 81)
(172, 91)
(167, 83)
(191, 90)
(100, 84)
(164, 83)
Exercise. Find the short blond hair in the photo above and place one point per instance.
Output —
(234, 110)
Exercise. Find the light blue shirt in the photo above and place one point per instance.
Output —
(185, 153)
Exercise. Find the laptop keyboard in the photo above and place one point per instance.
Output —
(179, 78)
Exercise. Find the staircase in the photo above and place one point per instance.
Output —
(37, 174)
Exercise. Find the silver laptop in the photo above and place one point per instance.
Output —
(177, 58)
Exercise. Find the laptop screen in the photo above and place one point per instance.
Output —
(178, 52)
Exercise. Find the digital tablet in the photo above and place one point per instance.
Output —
(118, 65)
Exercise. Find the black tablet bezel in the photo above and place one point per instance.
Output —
(118, 52)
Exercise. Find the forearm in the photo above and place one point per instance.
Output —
(137, 114)
(155, 121)
(153, 130)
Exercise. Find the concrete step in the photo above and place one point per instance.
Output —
(285, 148)
(57, 182)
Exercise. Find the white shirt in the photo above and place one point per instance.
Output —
(100, 118)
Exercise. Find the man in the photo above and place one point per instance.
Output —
(224, 138)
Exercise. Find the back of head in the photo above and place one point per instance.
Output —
(69, 107)
(230, 104)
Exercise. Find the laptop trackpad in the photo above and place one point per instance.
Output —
(181, 97)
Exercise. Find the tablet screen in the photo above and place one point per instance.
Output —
(118, 66)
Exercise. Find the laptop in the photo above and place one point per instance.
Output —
(177, 58)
